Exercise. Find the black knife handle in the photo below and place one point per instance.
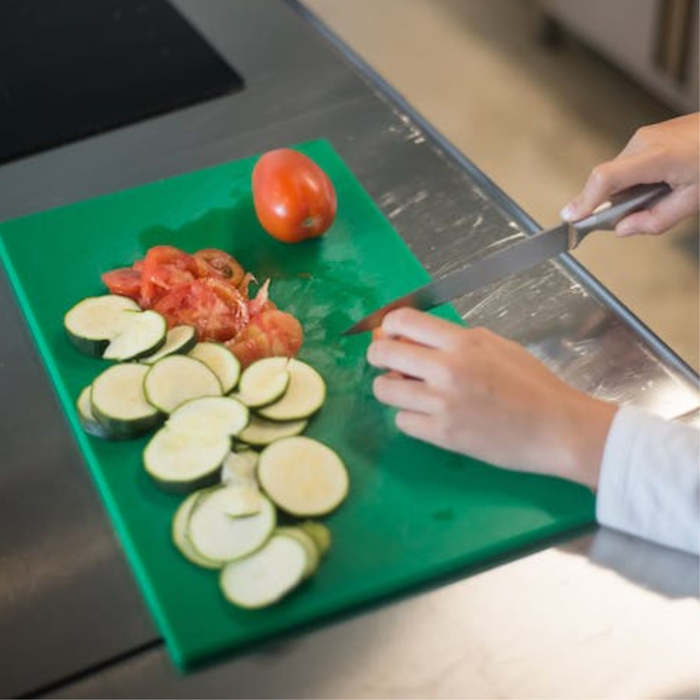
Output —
(617, 208)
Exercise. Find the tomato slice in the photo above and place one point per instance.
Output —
(206, 306)
(269, 334)
(164, 267)
(212, 262)
(125, 281)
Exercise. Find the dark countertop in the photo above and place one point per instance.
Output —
(71, 615)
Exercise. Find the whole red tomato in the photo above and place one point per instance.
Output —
(294, 198)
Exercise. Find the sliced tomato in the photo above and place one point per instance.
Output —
(164, 268)
(212, 262)
(198, 304)
(125, 281)
(271, 333)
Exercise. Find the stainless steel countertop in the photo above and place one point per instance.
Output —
(602, 615)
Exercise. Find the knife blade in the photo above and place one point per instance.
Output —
(518, 257)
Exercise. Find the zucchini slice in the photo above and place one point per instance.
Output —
(265, 576)
(142, 333)
(221, 361)
(179, 533)
(93, 322)
(219, 537)
(174, 379)
(303, 476)
(262, 432)
(119, 404)
(86, 417)
(313, 556)
(243, 501)
(239, 469)
(264, 382)
(209, 415)
(305, 394)
(319, 533)
(180, 461)
(178, 340)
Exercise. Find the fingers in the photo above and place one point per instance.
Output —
(669, 211)
(413, 360)
(418, 425)
(420, 327)
(610, 177)
(407, 394)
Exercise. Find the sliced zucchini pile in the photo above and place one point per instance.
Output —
(229, 520)
(232, 526)
(189, 450)
(175, 379)
(221, 361)
(114, 327)
(178, 340)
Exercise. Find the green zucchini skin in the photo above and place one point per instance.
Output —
(212, 478)
(87, 420)
(178, 533)
(124, 430)
(182, 349)
(130, 353)
(202, 351)
(303, 377)
(93, 348)
(252, 436)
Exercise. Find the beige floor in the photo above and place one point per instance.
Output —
(536, 121)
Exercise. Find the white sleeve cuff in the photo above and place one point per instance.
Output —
(649, 481)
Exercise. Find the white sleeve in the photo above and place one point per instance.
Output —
(649, 482)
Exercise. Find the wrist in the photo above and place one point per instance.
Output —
(589, 424)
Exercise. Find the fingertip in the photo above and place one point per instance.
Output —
(568, 212)
(371, 353)
(401, 419)
(377, 385)
(395, 320)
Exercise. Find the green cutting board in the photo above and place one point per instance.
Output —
(414, 513)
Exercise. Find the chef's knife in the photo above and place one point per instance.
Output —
(520, 256)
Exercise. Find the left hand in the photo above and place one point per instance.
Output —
(473, 392)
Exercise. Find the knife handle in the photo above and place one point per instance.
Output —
(617, 208)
